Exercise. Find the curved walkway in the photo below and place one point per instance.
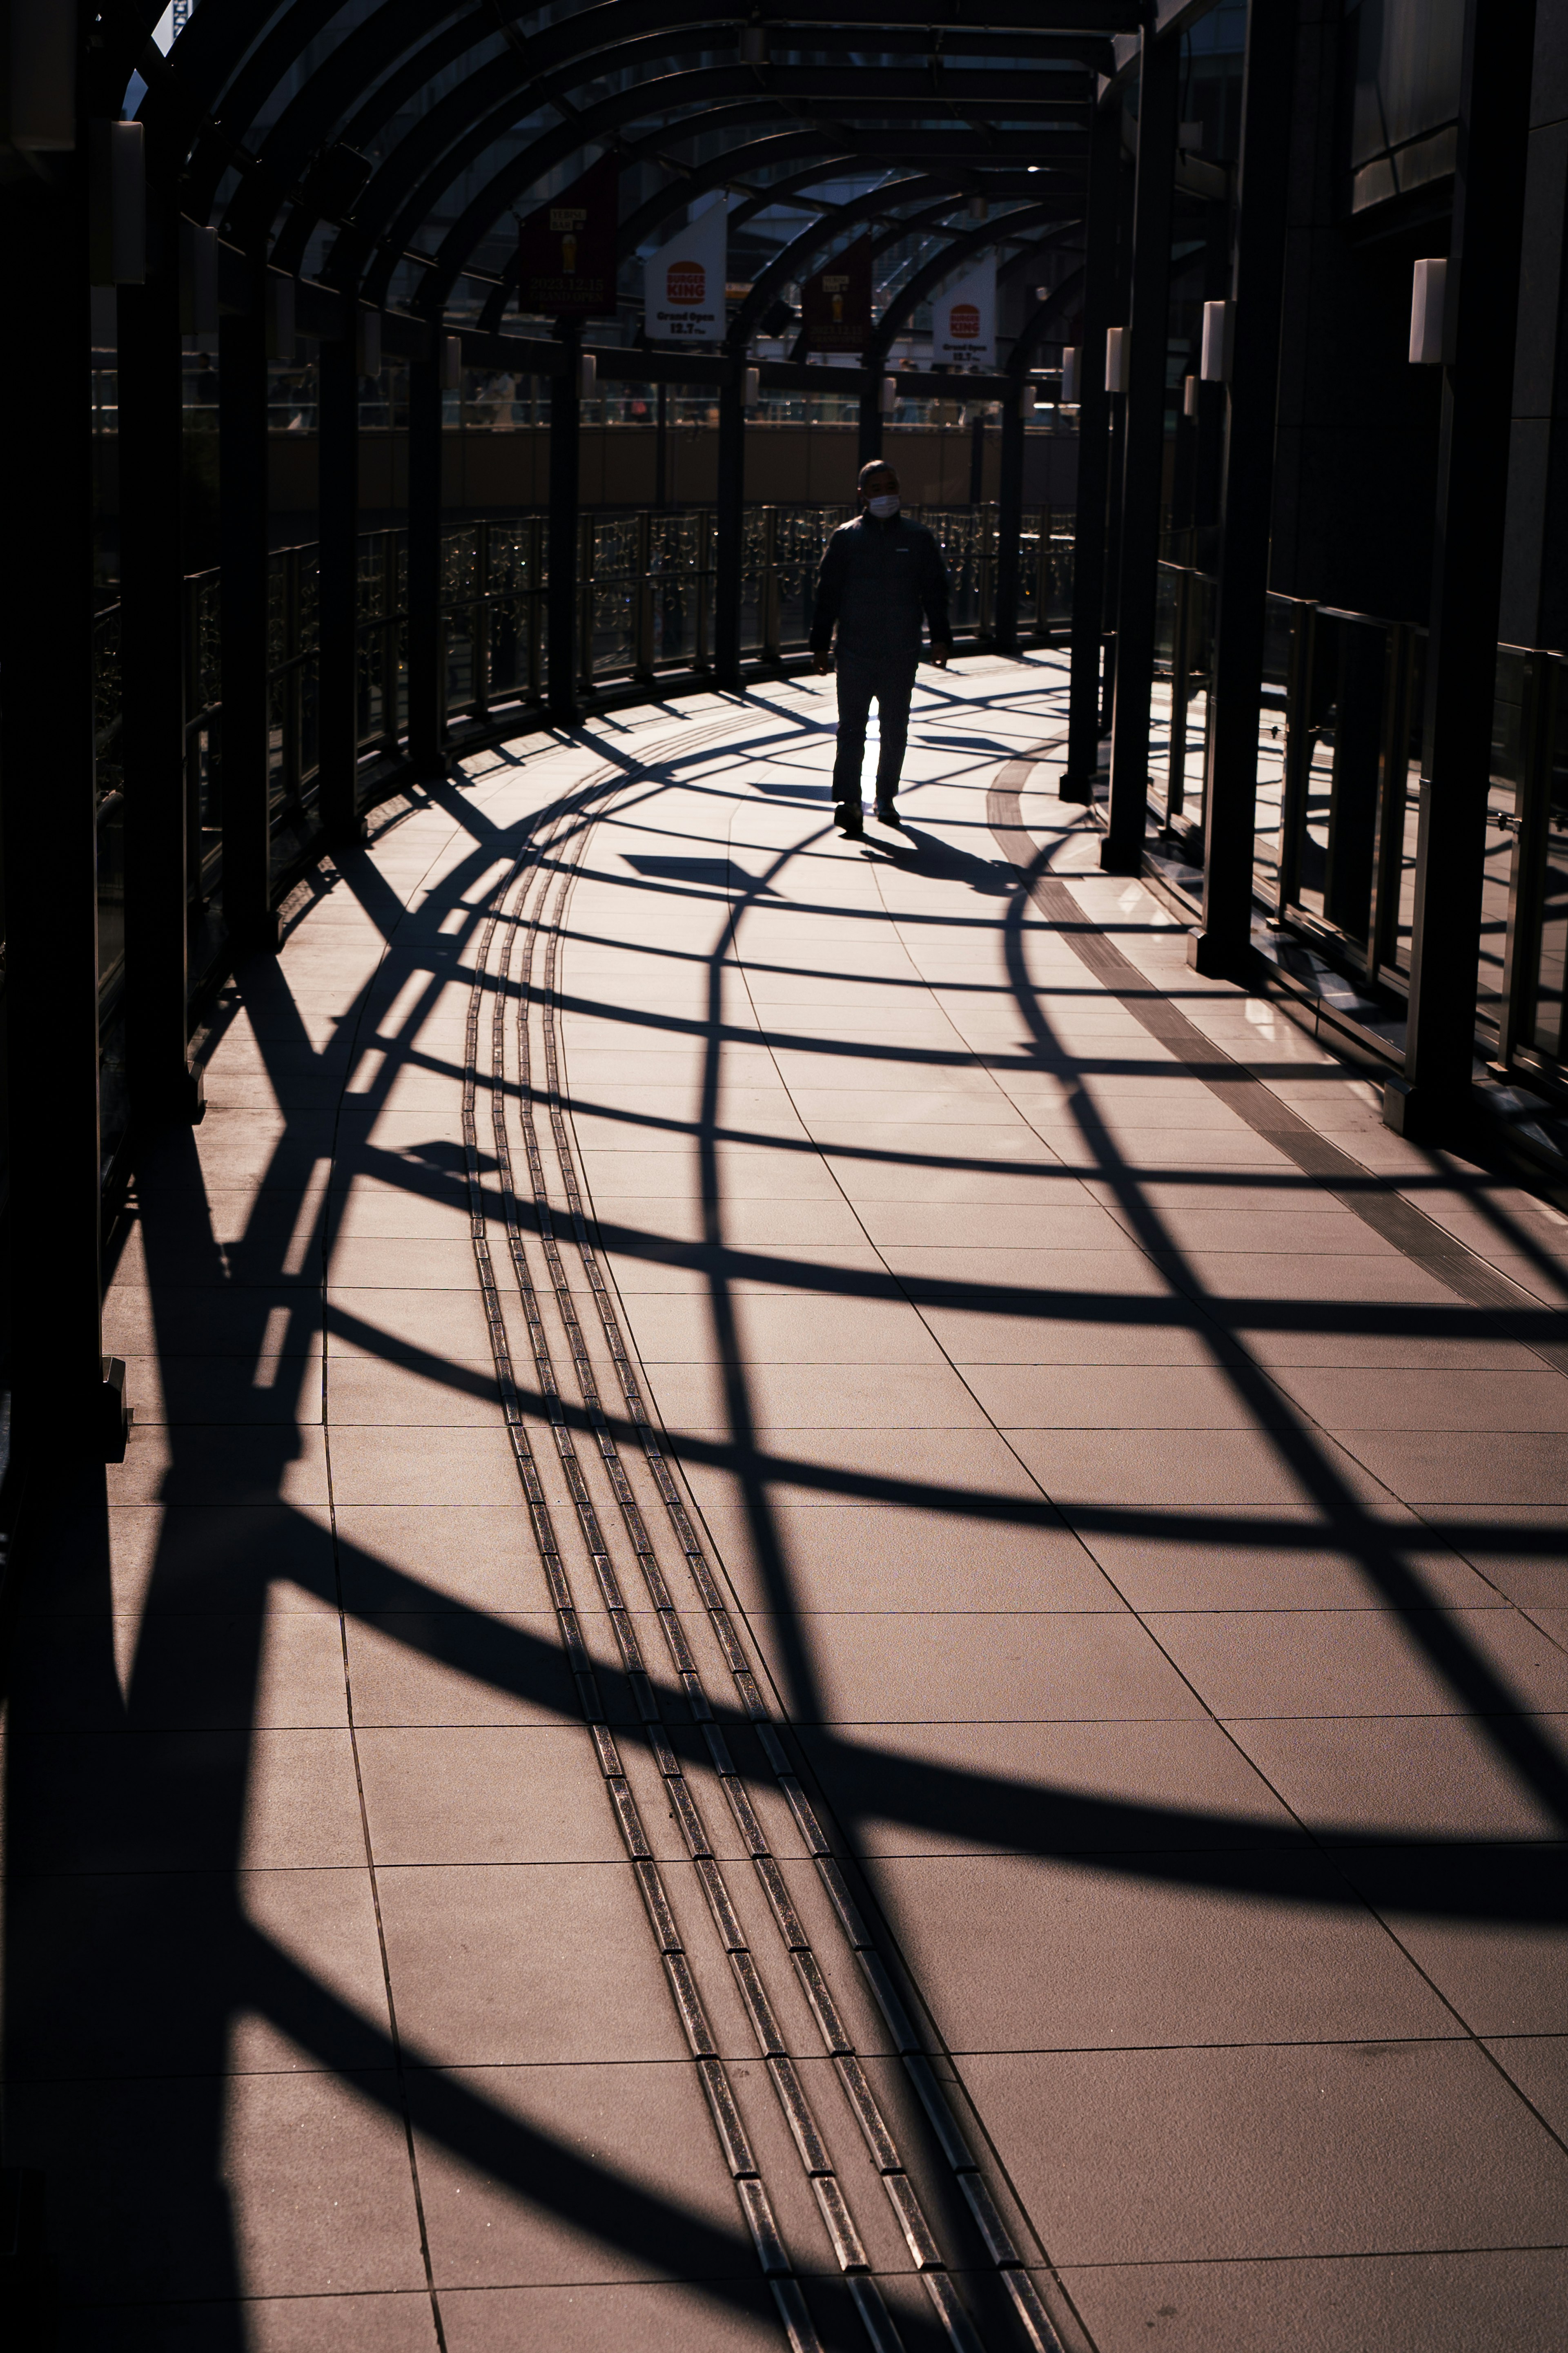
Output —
(837, 1616)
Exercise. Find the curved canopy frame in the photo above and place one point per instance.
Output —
(263, 119)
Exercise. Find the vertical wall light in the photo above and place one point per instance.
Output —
(587, 371)
(1429, 304)
(198, 280)
(1219, 318)
(280, 340)
(39, 108)
(451, 358)
(118, 183)
(1117, 359)
(1190, 396)
(1070, 376)
(1026, 401)
(889, 399)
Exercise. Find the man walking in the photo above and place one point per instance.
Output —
(878, 575)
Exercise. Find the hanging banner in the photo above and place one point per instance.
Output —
(964, 321)
(566, 250)
(835, 304)
(683, 283)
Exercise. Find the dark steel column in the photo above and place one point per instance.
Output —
(242, 453)
(730, 525)
(1148, 332)
(870, 414)
(1246, 496)
(337, 690)
(152, 669)
(1472, 481)
(425, 649)
(61, 1406)
(560, 597)
(1009, 520)
(1093, 457)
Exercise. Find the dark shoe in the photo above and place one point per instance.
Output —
(886, 811)
(846, 816)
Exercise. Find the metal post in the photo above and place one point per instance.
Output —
(426, 651)
(247, 910)
(977, 456)
(1093, 457)
(870, 415)
(731, 524)
(1158, 91)
(561, 602)
(1472, 484)
(337, 690)
(1246, 496)
(661, 446)
(62, 1404)
(153, 669)
(1009, 521)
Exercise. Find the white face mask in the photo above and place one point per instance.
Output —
(883, 507)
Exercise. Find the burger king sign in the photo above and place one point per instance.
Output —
(964, 321)
(683, 283)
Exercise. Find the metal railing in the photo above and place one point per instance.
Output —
(646, 585)
(1338, 799)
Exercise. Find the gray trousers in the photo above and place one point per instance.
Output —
(888, 679)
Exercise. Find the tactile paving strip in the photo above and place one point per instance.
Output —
(570, 821)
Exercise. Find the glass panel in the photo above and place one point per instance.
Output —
(1279, 624)
(1504, 800)
(1548, 1033)
(1404, 808)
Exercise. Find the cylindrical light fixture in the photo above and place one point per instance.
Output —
(450, 359)
(587, 376)
(753, 386)
(117, 204)
(1190, 396)
(367, 342)
(979, 209)
(1429, 303)
(1069, 395)
(1219, 318)
(40, 111)
(753, 44)
(198, 280)
(1117, 359)
(280, 344)
(890, 394)
(1026, 401)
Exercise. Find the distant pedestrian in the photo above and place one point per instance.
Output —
(879, 574)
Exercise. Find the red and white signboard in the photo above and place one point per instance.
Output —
(964, 321)
(683, 283)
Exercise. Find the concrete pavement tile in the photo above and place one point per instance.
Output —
(1326, 2148)
(485, 1794)
(656, 2316)
(184, 1801)
(298, 2182)
(789, 1330)
(1123, 1396)
(449, 1667)
(1038, 1788)
(126, 1974)
(222, 1465)
(940, 1667)
(1521, 1398)
(400, 1557)
(1488, 1924)
(1019, 1955)
(1154, 1467)
(461, 1393)
(969, 1469)
(525, 1964)
(383, 1465)
(1447, 1466)
(696, 1398)
(182, 1673)
(887, 1558)
(1310, 1663)
(1471, 2303)
(1276, 1556)
(1366, 1778)
(1538, 2064)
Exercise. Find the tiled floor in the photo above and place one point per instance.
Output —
(1161, 1573)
